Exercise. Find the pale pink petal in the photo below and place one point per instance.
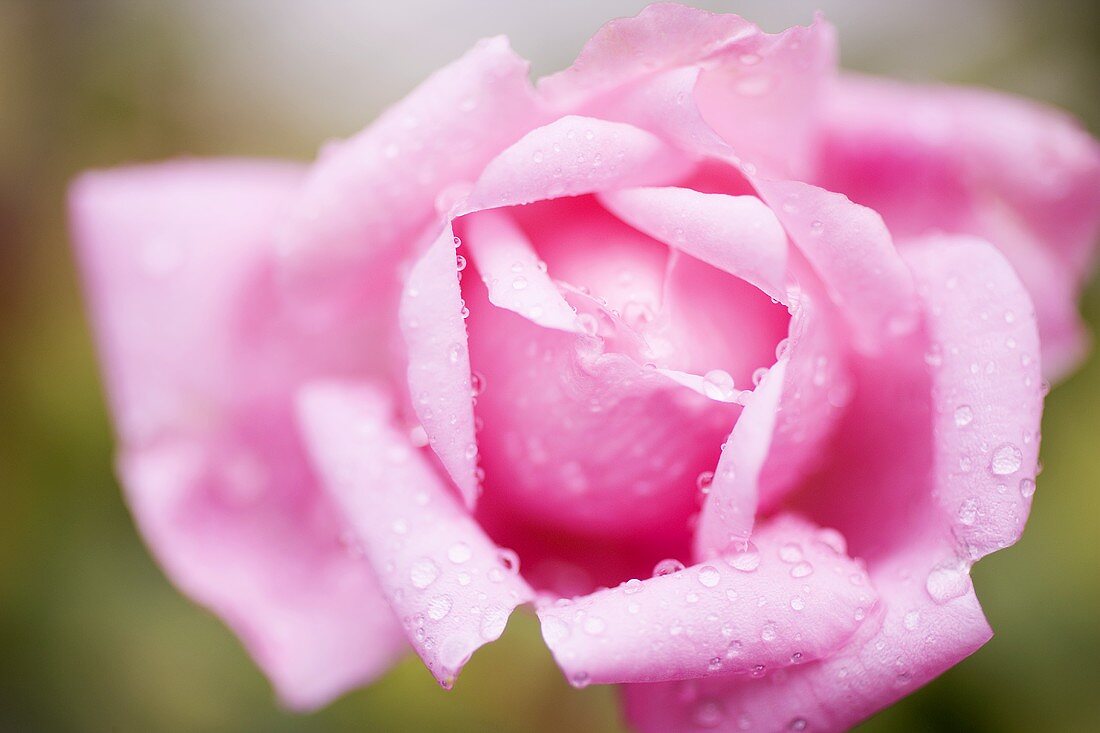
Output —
(660, 37)
(573, 156)
(788, 599)
(736, 234)
(894, 487)
(439, 361)
(368, 198)
(1020, 175)
(200, 363)
(852, 252)
(765, 96)
(512, 272)
(453, 588)
(986, 387)
(730, 509)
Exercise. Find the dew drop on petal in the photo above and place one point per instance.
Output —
(667, 567)
(1007, 459)
(709, 576)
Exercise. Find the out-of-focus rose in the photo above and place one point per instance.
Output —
(627, 318)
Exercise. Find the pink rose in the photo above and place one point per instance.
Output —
(667, 338)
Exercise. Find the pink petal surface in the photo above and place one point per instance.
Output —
(987, 394)
(736, 234)
(851, 250)
(896, 467)
(200, 362)
(1022, 176)
(368, 197)
(790, 599)
(452, 587)
(512, 273)
(572, 156)
(439, 361)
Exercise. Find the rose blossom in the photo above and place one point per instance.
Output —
(695, 301)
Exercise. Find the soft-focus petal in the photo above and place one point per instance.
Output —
(736, 234)
(439, 361)
(851, 250)
(1022, 176)
(453, 588)
(789, 599)
(200, 363)
(369, 197)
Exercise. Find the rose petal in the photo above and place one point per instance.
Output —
(452, 586)
(851, 250)
(573, 156)
(368, 197)
(511, 270)
(736, 234)
(200, 362)
(896, 466)
(1022, 176)
(787, 600)
(439, 361)
(987, 398)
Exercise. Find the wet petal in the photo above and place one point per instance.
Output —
(851, 250)
(572, 156)
(987, 388)
(512, 272)
(452, 587)
(1024, 177)
(434, 328)
(367, 198)
(200, 362)
(789, 599)
(736, 234)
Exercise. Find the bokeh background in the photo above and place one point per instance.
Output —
(92, 636)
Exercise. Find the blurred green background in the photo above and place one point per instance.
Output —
(93, 638)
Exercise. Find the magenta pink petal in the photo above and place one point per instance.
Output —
(512, 272)
(434, 328)
(736, 234)
(851, 250)
(788, 599)
(987, 396)
(369, 197)
(572, 156)
(200, 363)
(452, 587)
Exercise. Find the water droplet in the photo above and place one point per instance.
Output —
(718, 385)
(758, 376)
(424, 572)
(745, 558)
(709, 576)
(964, 415)
(1027, 488)
(968, 511)
(580, 679)
(802, 570)
(439, 607)
(797, 724)
(912, 620)
(797, 603)
(509, 559)
(769, 632)
(708, 714)
(519, 283)
(703, 481)
(460, 263)
(633, 586)
(477, 383)
(667, 567)
(791, 552)
(459, 553)
(594, 625)
(947, 581)
(1007, 459)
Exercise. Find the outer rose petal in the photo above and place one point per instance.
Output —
(441, 574)
(200, 362)
(758, 91)
(371, 195)
(1022, 176)
(851, 250)
(895, 452)
(736, 234)
(439, 361)
(794, 599)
